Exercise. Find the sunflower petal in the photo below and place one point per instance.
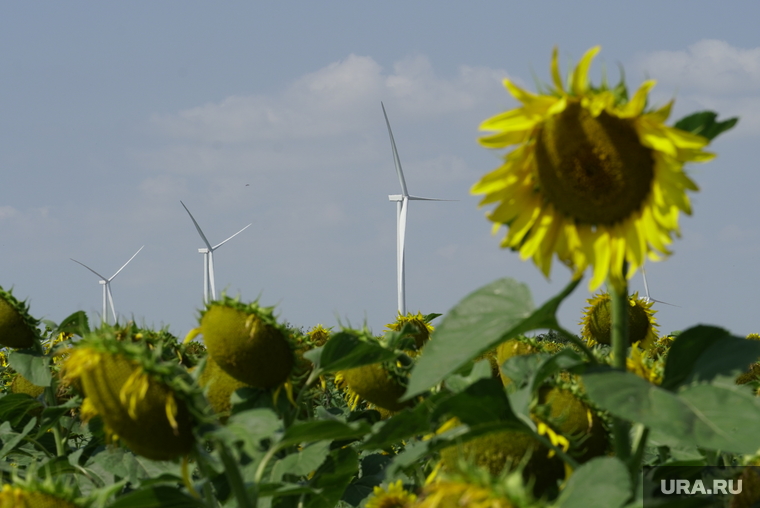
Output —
(580, 75)
(556, 77)
(638, 102)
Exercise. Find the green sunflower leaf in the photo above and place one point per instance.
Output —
(702, 353)
(33, 367)
(301, 463)
(332, 478)
(346, 350)
(15, 406)
(715, 417)
(483, 320)
(603, 482)
(705, 124)
(398, 427)
(160, 496)
(482, 402)
(318, 430)
(77, 323)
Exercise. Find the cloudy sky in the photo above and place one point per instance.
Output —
(269, 113)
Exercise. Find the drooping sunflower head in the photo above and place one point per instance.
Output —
(477, 488)
(31, 493)
(502, 452)
(597, 320)
(422, 327)
(147, 403)
(565, 415)
(18, 329)
(379, 384)
(393, 496)
(247, 342)
(595, 178)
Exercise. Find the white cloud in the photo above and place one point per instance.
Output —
(7, 212)
(709, 65)
(709, 74)
(337, 99)
(326, 127)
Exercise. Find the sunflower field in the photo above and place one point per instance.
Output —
(493, 405)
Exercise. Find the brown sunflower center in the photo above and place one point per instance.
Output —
(593, 169)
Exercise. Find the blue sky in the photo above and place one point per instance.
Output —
(269, 113)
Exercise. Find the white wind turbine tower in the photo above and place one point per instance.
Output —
(106, 283)
(209, 287)
(402, 204)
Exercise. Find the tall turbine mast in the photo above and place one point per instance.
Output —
(106, 283)
(209, 284)
(402, 204)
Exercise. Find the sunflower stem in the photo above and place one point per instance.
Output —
(232, 471)
(621, 429)
(638, 455)
(50, 401)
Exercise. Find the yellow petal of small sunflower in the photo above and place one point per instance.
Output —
(394, 496)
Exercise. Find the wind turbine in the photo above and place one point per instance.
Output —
(209, 287)
(646, 289)
(106, 283)
(402, 204)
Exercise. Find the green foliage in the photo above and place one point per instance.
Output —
(601, 483)
(302, 445)
(483, 320)
(717, 417)
(705, 124)
(32, 366)
(161, 496)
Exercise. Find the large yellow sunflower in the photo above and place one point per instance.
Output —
(594, 177)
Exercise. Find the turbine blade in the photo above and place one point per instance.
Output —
(417, 198)
(205, 240)
(403, 208)
(646, 286)
(211, 274)
(396, 160)
(125, 264)
(90, 269)
(230, 238)
(110, 299)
